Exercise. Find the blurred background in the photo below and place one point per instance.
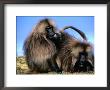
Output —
(25, 24)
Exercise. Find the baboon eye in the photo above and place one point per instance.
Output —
(49, 29)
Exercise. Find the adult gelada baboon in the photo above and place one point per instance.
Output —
(72, 50)
(40, 49)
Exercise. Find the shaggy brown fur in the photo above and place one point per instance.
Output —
(42, 52)
(38, 49)
(70, 49)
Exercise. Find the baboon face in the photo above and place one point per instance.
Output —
(48, 28)
(83, 58)
(51, 31)
(85, 61)
(87, 54)
(84, 48)
(44, 25)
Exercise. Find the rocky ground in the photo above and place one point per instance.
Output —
(22, 67)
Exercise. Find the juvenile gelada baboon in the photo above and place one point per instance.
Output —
(40, 49)
(71, 52)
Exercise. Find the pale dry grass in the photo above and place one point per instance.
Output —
(22, 68)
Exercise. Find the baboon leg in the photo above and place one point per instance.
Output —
(61, 65)
(53, 66)
(69, 65)
(56, 65)
(31, 65)
(76, 67)
(34, 68)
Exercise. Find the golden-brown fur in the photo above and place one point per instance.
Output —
(69, 51)
(38, 49)
(41, 52)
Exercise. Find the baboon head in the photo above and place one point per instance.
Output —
(47, 27)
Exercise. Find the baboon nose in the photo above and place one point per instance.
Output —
(55, 35)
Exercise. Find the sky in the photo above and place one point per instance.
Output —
(25, 24)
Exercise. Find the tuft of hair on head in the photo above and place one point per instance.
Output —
(41, 25)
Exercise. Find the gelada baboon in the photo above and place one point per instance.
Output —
(40, 49)
(72, 50)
